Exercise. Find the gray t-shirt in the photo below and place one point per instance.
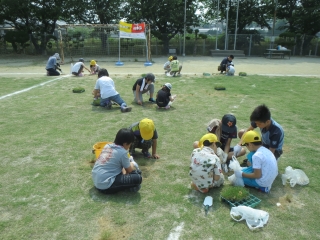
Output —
(109, 164)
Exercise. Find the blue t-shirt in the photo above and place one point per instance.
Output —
(109, 164)
(273, 137)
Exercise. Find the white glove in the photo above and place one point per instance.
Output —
(238, 174)
(236, 150)
(131, 159)
(225, 156)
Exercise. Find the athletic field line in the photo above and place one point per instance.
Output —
(35, 86)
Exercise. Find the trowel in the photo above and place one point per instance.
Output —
(207, 203)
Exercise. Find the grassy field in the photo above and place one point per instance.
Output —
(46, 160)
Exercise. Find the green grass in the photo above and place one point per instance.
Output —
(45, 164)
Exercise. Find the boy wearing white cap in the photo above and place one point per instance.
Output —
(164, 98)
(264, 163)
(205, 168)
(145, 137)
(53, 65)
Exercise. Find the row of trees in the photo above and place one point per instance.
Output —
(37, 18)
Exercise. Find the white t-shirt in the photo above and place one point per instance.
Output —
(106, 86)
(76, 67)
(264, 159)
(231, 70)
(166, 66)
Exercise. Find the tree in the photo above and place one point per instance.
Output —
(165, 17)
(38, 18)
(249, 11)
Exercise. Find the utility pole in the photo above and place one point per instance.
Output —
(226, 33)
(235, 31)
(184, 30)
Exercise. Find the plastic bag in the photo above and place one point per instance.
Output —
(255, 218)
(235, 166)
(294, 176)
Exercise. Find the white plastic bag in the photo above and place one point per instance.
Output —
(255, 218)
(235, 166)
(294, 176)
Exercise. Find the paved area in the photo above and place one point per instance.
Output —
(296, 66)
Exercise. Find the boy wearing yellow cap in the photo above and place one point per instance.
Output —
(205, 168)
(145, 137)
(166, 66)
(94, 67)
(264, 163)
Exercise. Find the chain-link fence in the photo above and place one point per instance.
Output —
(105, 42)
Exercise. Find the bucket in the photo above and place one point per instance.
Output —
(97, 148)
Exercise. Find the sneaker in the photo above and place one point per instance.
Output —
(146, 154)
(264, 189)
(167, 107)
(126, 109)
(152, 100)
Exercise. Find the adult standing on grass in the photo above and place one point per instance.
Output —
(105, 89)
(53, 65)
(225, 62)
(271, 131)
(264, 164)
(145, 137)
(144, 85)
(78, 67)
(113, 170)
(205, 168)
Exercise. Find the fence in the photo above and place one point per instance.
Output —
(106, 43)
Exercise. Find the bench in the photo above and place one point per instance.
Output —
(281, 55)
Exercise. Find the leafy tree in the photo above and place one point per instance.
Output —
(249, 11)
(166, 17)
(38, 18)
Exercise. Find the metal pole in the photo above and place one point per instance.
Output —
(184, 30)
(226, 33)
(235, 31)
(216, 25)
(274, 21)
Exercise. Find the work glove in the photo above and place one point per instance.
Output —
(238, 174)
(236, 150)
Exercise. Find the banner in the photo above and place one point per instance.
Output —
(132, 30)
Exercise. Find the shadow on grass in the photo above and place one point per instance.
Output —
(120, 197)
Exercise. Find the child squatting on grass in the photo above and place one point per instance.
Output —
(264, 164)
(271, 131)
(205, 168)
(114, 170)
(145, 137)
(225, 130)
(164, 98)
(78, 67)
(94, 67)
